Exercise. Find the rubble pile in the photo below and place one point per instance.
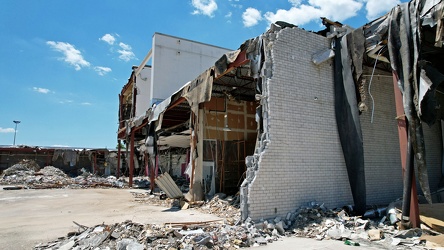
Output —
(223, 206)
(87, 179)
(313, 221)
(220, 205)
(317, 222)
(131, 235)
(28, 175)
(154, 199)
(22, 168)
(52, 171)
(47, 177)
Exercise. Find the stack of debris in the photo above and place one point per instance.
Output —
(311, 221)
(22, 167)
(154, 199)
(27, 174)
(31, 177)
(87, 179)
(223, 206)
(130, 235)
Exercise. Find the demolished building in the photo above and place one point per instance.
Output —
(100, 161)
(174, 61)
(294, 116)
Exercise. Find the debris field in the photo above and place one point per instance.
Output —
(311, 221)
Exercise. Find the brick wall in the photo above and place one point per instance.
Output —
(304, 160)
(381, 142)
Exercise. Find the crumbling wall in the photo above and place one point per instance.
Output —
(302, 160)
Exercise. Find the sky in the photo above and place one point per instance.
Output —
(63, 63)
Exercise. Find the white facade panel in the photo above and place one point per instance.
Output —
(176, 61)
(143, 90)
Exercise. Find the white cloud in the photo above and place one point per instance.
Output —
(299, 14)
(295, 2)
(60, 146)
(6, 130)
(86, 103)
(377, 8)
(235, 5)
(124, 46)
(102, 70)
(41, 90)
(65, 101)
(108, 38)
(251, 17)
(229, 14)
(126, 52)
(204, 7)
(71, 54)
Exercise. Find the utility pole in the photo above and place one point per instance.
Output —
(15, 130)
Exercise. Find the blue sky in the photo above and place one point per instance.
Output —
(63, 63)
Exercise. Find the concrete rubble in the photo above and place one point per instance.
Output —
(230, 232)
(26, 174)
(311, 221)
(222, 206)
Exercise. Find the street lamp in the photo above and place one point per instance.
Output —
(15, 130)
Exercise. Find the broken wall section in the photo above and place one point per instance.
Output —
(303, 160)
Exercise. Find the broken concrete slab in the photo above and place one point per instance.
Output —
(374, 234)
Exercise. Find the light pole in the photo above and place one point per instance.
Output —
(15, 130)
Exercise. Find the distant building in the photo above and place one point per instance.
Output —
(99, 161)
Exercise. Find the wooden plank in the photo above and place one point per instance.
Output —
(433, 216)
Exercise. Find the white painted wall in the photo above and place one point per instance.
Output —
(143, 85)
(176, 61)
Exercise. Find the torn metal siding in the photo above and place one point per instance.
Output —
(166, 183)
(405, 31)
(200, 90)
(349, 125)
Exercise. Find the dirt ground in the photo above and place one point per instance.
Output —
(29, 217)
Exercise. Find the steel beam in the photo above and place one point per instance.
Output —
(131, 170)
(403, 145)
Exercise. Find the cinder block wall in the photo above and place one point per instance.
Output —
(381, 142)
(433, 144)
(304, 160)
